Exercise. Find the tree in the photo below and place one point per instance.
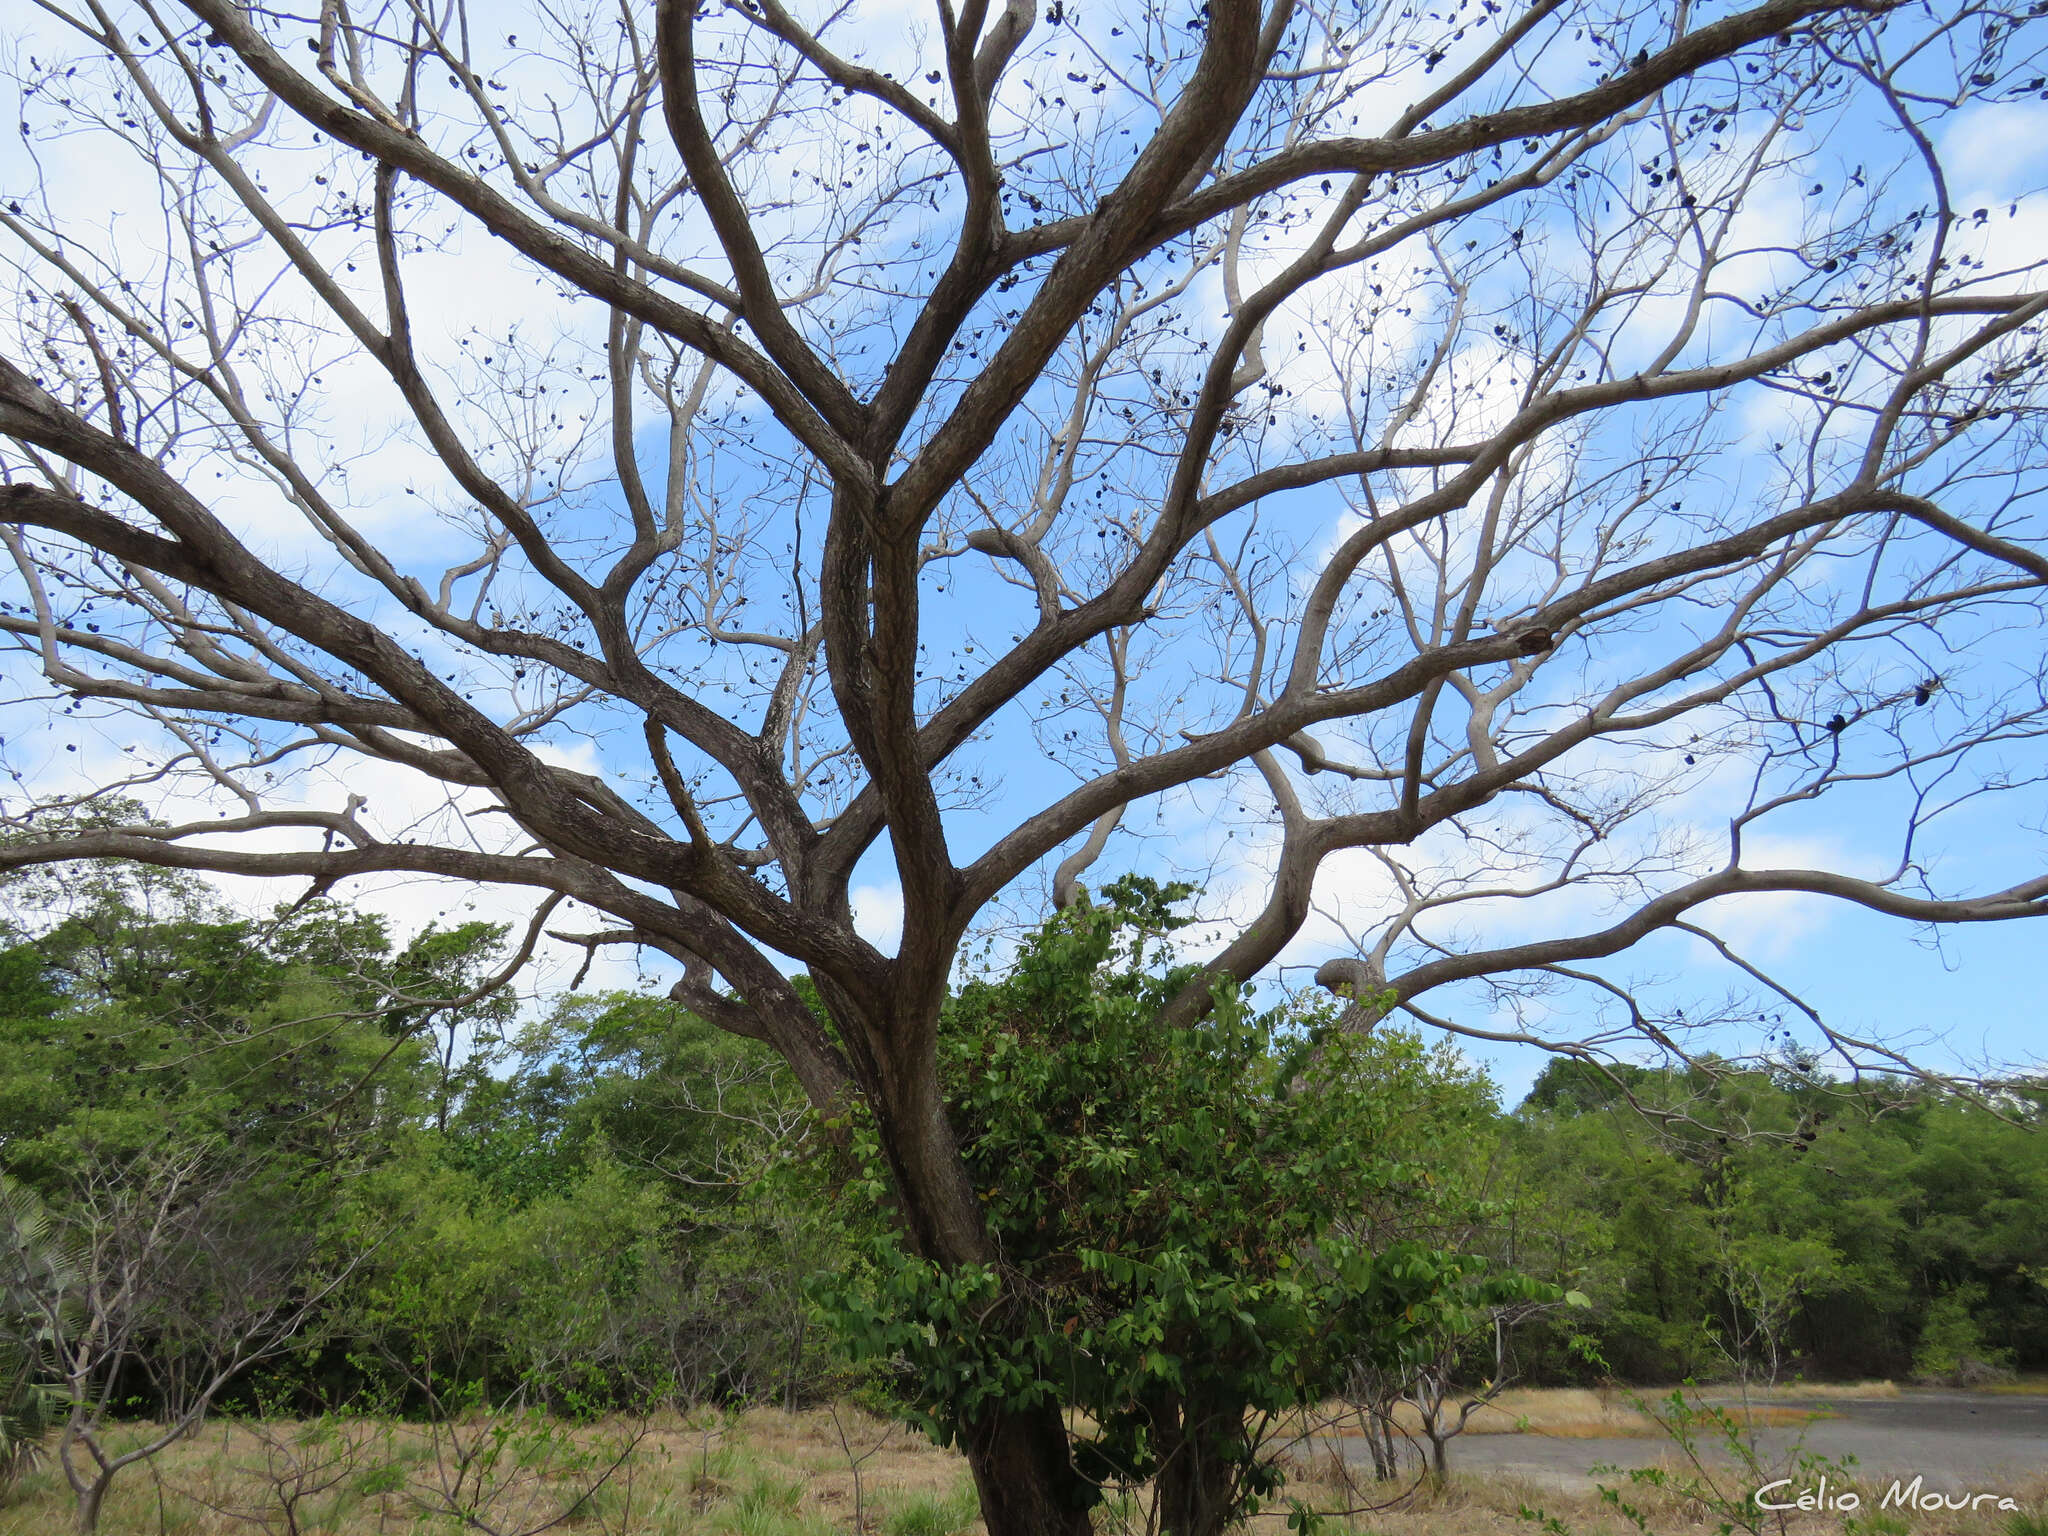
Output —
(1170, 1207)
(1452, 1356)
(1757, 1225)
(184, 1268)
(143, 1010)
(1432, 451)
(1420, 1363)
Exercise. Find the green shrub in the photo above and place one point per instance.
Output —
(1951, 1342)
(1172, 1200)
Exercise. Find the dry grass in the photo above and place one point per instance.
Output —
(763, 1473)
(1585, 1413)
(1493, 1505)
(769, 1473)
(2026, 1386)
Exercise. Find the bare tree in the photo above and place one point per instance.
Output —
(1515, 456)
(187, 1274)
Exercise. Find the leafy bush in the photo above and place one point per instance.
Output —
(1169, 1199)
(1952, 1346)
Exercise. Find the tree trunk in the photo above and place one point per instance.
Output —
(1025, 1477)
(1022, 1462)
(87, 1517)
(1201, 1452)
(1385, 1447)
(1194, 1493)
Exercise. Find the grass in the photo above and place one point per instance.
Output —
(925, 1514)
(2025, 1386)
(1848, 1391)
(764, 1473)
(1491, 1505)
(1584, 1413)
(770, 1473)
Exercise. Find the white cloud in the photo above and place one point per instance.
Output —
(1996, 146)
(878, 915)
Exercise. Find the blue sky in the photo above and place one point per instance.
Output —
(1973, 997)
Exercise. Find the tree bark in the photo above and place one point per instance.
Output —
(1022, 1461)
(1386, 1454)
(1026, 1478)
(87, 1517)
(1197, 1476)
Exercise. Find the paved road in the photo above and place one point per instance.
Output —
(1959, 1441)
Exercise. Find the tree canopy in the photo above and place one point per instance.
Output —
(688, 464)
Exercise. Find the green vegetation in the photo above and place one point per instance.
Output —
(1757, 1220)
(1175, 1208)
(35, 1264)
(336, 1178)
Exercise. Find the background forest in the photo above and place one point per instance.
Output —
(344, 1199)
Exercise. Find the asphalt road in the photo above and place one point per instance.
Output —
(1957, 1441)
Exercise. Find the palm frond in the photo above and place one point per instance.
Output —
(40, 1270)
